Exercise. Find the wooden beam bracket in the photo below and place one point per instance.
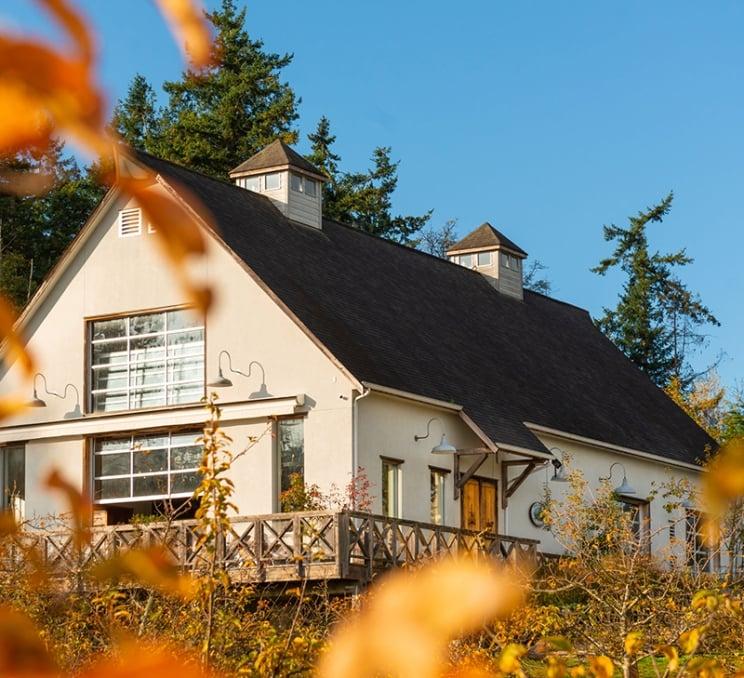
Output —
(509, 487)
(460, 480)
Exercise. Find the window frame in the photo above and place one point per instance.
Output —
(278, 422)
(478, 256)
(88, 324)
(397, 466)
(304, 182)
(438, 487)
(254, 177)
(17, 508)
(168, 473)
(278, 186)
(699, 557)
(642, 508)
(462, 263)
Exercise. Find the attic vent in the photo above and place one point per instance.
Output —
(130, 222)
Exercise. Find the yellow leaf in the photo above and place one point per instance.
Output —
(689, 641)
(633, 642)
(509, 659)
(672, 656)
(556, 668)
(22, 651)
(577, 671)
(15, 346)
(601, 667)
(188, 24)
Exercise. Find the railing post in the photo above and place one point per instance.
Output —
(369, 544)
(297, 542)
(341, 526)
(258, 545)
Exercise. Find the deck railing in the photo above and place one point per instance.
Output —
(344, 545)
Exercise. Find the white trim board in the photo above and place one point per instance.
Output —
(134, 421)
(612, 448)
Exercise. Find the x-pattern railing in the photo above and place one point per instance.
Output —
(285, 546)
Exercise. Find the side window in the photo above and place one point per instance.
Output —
(437, 484)
(273, 181)
(640, 518)
(311, 187)
(290, 437)
(699, 555)
(392, 475)
(295, 182)
(14, 479)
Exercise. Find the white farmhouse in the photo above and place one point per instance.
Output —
(456, 391)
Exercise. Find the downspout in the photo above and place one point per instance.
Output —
(355, 431)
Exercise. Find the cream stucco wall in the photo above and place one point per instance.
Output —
(113, 275)
(644, 475)
(387, 426)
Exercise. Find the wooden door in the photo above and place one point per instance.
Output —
(478, 508)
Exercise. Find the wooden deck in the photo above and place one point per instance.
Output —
(314, 545)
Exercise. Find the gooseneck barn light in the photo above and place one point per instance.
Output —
(221, 381)
(624, 487)
(444, 446)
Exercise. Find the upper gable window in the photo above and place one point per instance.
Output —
(484, 258)
(252, 184)
(130, 222)
(273, 181)
(149, 360)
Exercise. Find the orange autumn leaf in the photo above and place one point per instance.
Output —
(153, 567)
(22, 651)
(79, 506)
(135, 660)
(601, 667)
(189, 26)
(64, 14)
(14, 345)
(176, 226)
(411, 617)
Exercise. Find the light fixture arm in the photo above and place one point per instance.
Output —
(612, 468)
(62, 395)
(428, 429)
(234, 371)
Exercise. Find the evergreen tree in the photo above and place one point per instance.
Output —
(34, 230)
(657, 319)
(136, 118)
(218, 117)
(363, 199)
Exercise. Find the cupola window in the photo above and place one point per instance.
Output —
(273, 181)
(484, 258)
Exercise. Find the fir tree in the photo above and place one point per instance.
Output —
(34, 230)
(218, 117)
(363, 199)
(136, 118)
(657, 319)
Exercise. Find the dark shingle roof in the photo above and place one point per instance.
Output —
(486, 236)
(403, 319)
(276, 154)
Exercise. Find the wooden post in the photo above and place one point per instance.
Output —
(341, 526)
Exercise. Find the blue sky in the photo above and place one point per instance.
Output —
(546, 119)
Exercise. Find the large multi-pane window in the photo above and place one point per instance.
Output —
(392, 471)
(13, 468)
(290, 451)
(437, 482)
(148, 360)
(146, 467)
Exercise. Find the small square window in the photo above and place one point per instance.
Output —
(252, 184)
(466, 260)
(311, 187)
(484, 258)
(273, 181)
(295, 182)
